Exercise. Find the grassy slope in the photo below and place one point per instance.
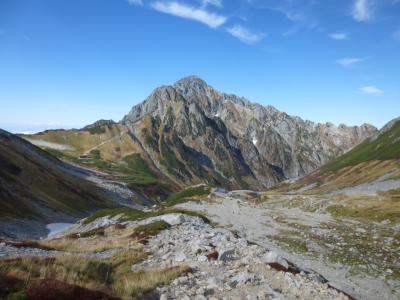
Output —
(32, 178)
(386, 146)
(111, 149)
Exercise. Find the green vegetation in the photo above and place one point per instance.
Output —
(148, 230)
(95, 154)
(131, 214)
(370, 213)
(181, 196)
(96, 130)
(94, 232)
(139, 172)
(385, 146)
(291, 243)
(133, 168)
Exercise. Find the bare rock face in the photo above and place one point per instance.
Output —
(194, 133)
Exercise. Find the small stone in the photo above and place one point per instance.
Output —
(200, 291)
(276, 261)
(202, 258)
(200, 297)
(163, 297)
(180, 257)
(226, 254)
(213, 282)
(243, 278)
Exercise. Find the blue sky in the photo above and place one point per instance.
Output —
(67, 63)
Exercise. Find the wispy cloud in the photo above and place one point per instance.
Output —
(370, 90)
(217, 3)
(363, 10)
(188, 12)
(300, 12)
(349, 61)
(340, 36)
(135, 2)
(245, 35)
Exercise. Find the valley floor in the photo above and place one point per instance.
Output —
(175, 255)
(361, 258)
(235, 245)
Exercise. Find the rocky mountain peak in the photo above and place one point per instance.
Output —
(269, 144)
(191, 83)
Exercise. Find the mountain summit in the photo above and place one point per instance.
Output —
(226, 136)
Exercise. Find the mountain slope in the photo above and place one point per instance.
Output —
(189, 133)
(372, 166)
(34, 185)
(383, 146)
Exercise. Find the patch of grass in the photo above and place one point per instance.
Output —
(95, 154)
(369, 209)
(112, 276)
(294, 244)
(136, 285)
(94, 232)
(129, 214)
(149, 230)
(96, 130)
(133, 168)
(21, 295)
(189, 192)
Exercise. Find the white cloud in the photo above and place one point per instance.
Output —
(338, 36)
(349, 61)
(188, 12)
(217, 3)
(135, 2)
(362, 10)
(370, 90)
(245, 35)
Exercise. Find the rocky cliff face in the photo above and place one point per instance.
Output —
(194, 133)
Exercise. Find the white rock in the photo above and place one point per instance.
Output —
(274, 257)
(214, 282)
(180, 257)
(173, 219)
(200, 297)
(163, 297)
(202, 258)
(243, 277)
(226, 254)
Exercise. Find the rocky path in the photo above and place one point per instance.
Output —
(227, 267)
(265, 225)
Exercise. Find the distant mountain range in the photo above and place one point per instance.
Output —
(189, 133)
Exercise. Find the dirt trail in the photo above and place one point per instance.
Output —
(268, 223)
